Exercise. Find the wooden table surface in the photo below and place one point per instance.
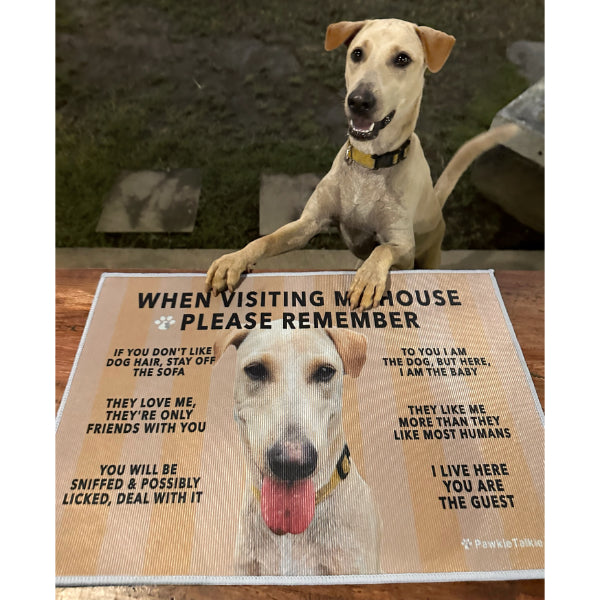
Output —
(523, 294)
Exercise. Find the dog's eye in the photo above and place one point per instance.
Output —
(356, 55)
(402, 60)
(256, 371)
(323, 373)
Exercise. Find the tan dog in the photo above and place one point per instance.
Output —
(306, 509)
(379, 189)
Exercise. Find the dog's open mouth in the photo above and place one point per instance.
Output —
(362, 128)
(287, 506)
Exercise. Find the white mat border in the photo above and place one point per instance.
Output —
(381, 578)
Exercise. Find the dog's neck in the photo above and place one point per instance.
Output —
(375, 162)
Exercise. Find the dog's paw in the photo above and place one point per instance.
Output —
(225, 272)
(367, 287)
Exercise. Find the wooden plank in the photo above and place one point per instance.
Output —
(523, 295)
(473, 590)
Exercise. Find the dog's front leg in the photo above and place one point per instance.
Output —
(370, 281)
(225, 272)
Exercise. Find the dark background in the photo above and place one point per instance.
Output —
(237, 89)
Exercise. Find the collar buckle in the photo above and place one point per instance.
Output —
(349, 152)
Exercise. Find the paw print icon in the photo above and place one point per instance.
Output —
(467, 543)
(164, 322)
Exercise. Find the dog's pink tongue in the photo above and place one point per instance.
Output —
(287, 507)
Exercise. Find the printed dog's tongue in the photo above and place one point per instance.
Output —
(287, 507)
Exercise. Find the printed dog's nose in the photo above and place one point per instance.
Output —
(361, 101)
(292, 461)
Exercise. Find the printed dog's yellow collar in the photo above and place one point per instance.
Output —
(376, 161)
(342, 468)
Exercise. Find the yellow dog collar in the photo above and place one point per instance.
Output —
(342, 468)
(376, 161)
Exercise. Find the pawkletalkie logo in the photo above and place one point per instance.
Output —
(164, 322)
(501, 544)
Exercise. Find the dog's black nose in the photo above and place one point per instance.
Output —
(293, 460)
(361, 101)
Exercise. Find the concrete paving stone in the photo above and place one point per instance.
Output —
(512, 175)
(297, 260)
(529, 57)
(282, 199)
(528, 112)
(159, 201)
(515, 183)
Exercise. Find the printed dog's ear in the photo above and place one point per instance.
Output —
(352, 348)
(437, 45)
(233, 339)
(342, 33)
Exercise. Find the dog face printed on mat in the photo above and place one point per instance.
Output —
(288, 406)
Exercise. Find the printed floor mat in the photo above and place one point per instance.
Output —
(273, 435)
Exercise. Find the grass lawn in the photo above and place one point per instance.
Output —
(241, 88)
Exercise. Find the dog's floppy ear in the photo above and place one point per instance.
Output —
(233, 339)
(342, 32)
(352, 348)
(437, 45)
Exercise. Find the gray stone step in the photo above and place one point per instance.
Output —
(298, 260)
